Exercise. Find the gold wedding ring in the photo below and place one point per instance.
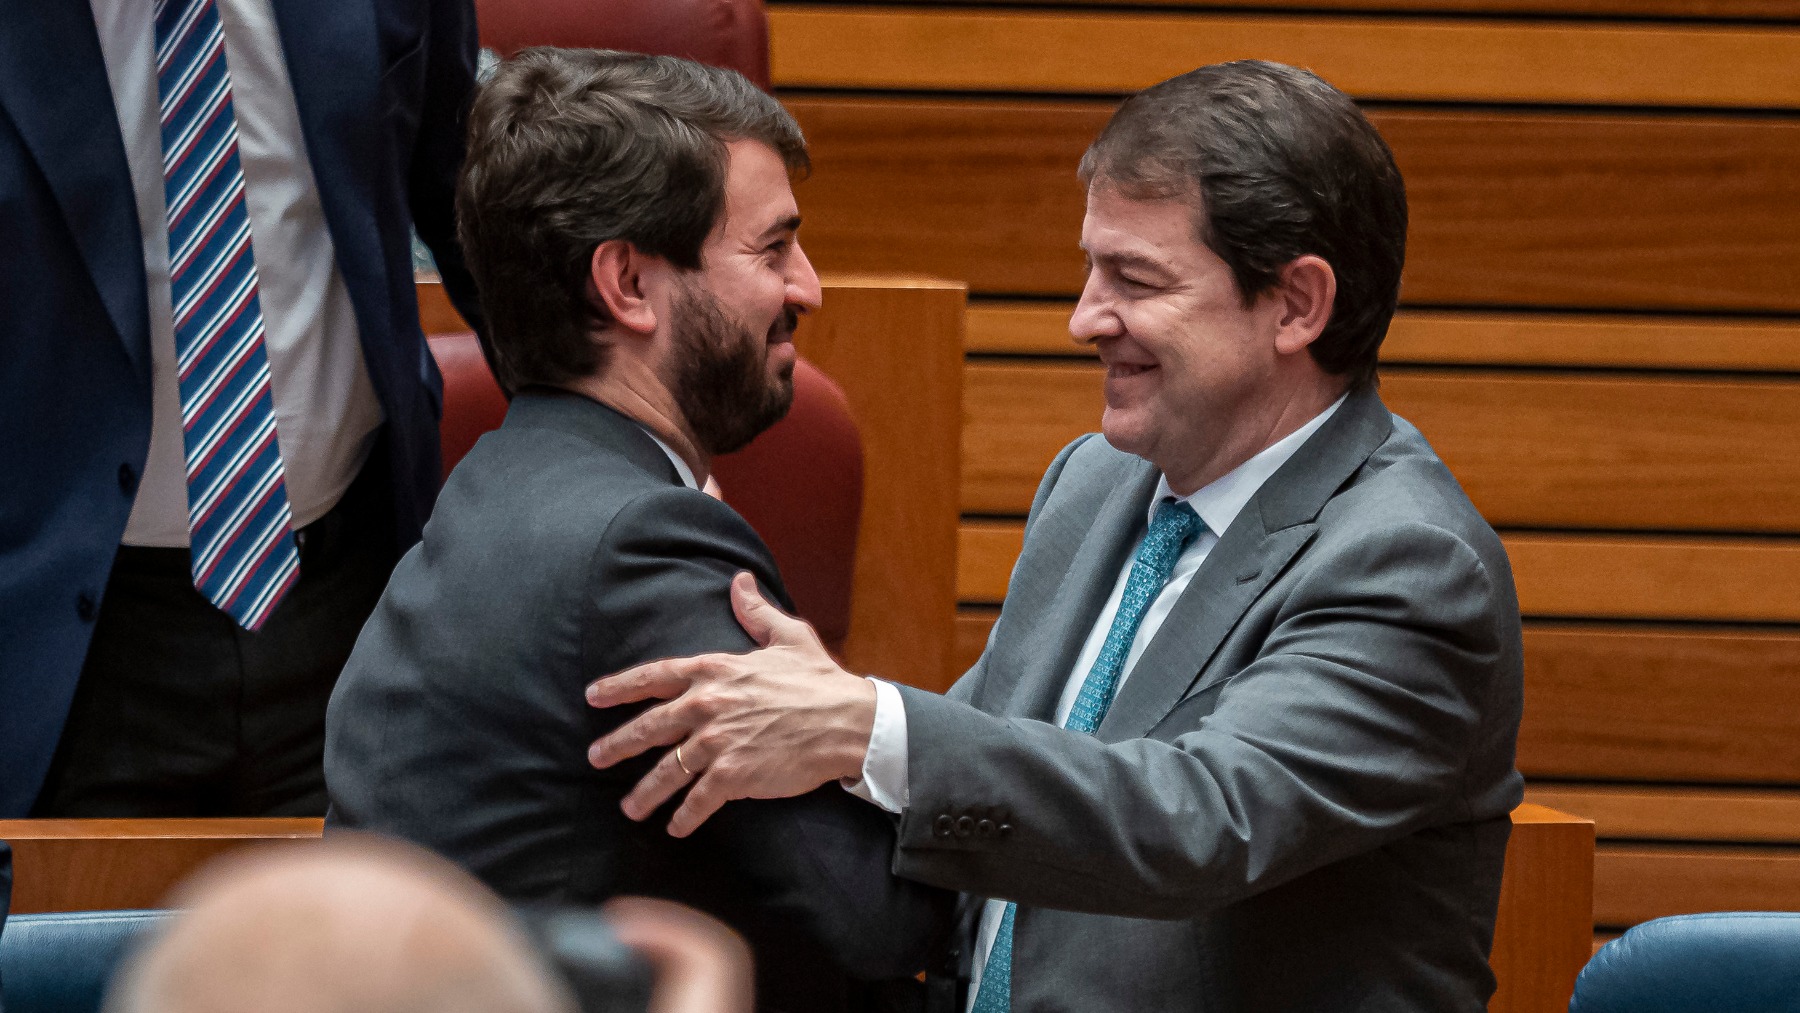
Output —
(679, 763)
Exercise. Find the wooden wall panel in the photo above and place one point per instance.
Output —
(1617, 211)
(1558, 576)
(99, 865)
(1753, 9)
(1637, 882)
(1645, 704)
(1473, 338)
(1459, 60)
(1559, 451)
(1678, 813)
(894, 345)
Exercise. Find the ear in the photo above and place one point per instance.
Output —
(1304, 295)
(617, 272)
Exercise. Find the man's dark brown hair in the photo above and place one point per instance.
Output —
(569, 148)
(1278, 164)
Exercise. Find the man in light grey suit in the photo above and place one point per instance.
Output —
(1242, 737)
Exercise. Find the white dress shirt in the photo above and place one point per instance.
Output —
(326, 412)
(884, 780)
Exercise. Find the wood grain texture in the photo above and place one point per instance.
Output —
(1663, 813)
(1558, 576)
(894, 345)
(1754, 9)
(1507, 209)
(957, 49)
(96, 865)
(1647, 704)
(1472, 338)
(436, 315)
(1560, 451)
(1543, 934)
(1637, 882)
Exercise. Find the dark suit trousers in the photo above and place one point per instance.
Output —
(181, 712)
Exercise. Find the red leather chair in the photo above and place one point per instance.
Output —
(799, 484)
(723, 33)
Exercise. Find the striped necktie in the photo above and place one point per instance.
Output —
(242, 546)
(1172, 530)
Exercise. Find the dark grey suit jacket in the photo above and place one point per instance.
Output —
(564, 548)
(1299, 800)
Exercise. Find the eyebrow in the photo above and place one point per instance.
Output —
(788, 224)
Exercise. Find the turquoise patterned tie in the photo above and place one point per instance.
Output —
(1172, 530)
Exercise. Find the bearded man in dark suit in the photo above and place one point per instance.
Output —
(632, 229)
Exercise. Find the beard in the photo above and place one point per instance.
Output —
(720, 373)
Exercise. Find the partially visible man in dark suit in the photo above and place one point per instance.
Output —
(633, 230)
(220, 423)
(1242, 736)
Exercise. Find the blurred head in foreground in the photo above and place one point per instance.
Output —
(358, 926)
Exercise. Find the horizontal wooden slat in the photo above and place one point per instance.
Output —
(1634, 883)
(1428, 337)
(1513, 209)
(1605, 577)
(1649, 704)
(1759, 9)
(973, 622)
(1558, 576)
(1369, 57)
(1563, 451)
(1678, 813)
(87, 865)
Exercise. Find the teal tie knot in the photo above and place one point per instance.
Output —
(1172, 530)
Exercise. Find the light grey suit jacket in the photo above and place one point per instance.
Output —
(1307, 777)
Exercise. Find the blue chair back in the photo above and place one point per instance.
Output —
(60, 963)
(1740, 962)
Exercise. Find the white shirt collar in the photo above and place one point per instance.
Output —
(681, 467)
(1220, 501)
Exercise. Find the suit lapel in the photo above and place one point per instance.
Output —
(53, 86)
(1046, 650)
(1272, 529)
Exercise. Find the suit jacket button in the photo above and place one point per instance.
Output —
(86, 607)
(1005, 828)
(965, 825)
(986, 828)
(943, 826)
(127, 479)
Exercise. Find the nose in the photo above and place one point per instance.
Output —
(803, 282)
(1094, 317)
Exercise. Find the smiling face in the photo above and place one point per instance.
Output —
(1195, 382)
(730, 360)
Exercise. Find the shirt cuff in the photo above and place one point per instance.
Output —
(884, 766)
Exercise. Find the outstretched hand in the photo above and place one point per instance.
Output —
(773, 723)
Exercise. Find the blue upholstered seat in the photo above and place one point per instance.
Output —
(60, 963)
(1729, 962)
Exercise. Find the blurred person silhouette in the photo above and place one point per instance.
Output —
(363, 925)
